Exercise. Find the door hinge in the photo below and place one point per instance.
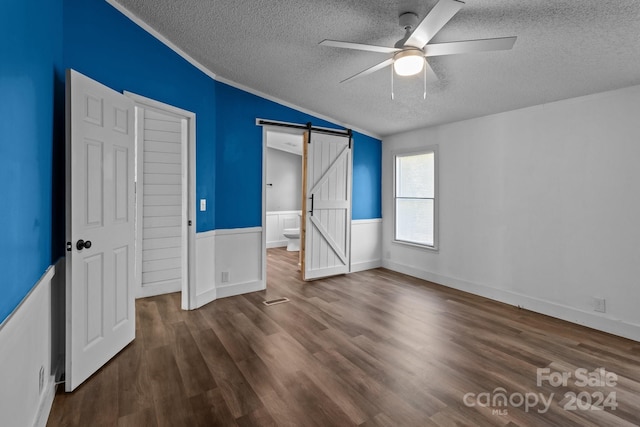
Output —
(68, 246)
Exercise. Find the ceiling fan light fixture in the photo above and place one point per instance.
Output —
(408, 62)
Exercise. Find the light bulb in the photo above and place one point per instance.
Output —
(408, 62)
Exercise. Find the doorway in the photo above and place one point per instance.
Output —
(165, 235)
(283, 190)
(325, 247)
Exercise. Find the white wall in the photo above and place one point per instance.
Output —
(239, 253)
(366, 244)
(276, 223)
(205, 272)
(26, 346)
(539, 207)
(284, 173)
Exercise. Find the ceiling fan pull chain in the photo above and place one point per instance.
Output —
(424, 94)
(392, 73)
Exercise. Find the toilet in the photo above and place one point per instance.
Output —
(293, 238)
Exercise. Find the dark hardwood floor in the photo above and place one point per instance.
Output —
(374, 348)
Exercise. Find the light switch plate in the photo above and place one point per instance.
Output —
(203, 205)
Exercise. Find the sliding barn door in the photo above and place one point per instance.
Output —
(326, 232)
(100, 307)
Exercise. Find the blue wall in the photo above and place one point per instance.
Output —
(31, 47)
(239, 159)
(103, 44)
(367, 178)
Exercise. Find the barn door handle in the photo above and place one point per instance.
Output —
(311, 211)
(81, 244)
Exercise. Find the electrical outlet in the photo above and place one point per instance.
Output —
(41, 380)
(225, 276)
(599, 305)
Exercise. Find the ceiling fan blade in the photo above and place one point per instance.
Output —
(441, 13)
(358, 46)
(469, 46)
(430, 74)
(373, 69)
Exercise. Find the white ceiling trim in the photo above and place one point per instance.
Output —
(296, 107)
(139, 22)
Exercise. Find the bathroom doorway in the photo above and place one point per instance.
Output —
(282, 190)
(325, 175)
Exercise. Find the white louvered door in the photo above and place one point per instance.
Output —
(162, 202)
(326, 205)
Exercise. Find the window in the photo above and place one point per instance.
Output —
(415, 198)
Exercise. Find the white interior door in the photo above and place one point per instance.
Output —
(162, 202)
(100, 305)
(326, 232)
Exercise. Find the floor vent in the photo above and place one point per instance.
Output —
(275, 301)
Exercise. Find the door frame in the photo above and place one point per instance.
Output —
(189, 285)
(295, 129)
(266, 128)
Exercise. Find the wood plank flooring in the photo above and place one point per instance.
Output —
(374, 348)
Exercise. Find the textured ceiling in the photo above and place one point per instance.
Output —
(565, 48)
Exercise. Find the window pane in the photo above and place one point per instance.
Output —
(414, 221)
(415, 175)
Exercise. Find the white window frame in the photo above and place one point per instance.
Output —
(436, 200)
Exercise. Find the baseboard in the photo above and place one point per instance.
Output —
(142, 292)
(558, 311)
(205, 297)
(46, 402)
(365, 265)
(277, 244)
(239, 288)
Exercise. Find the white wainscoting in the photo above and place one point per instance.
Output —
(229, 262)
(205, 289)
(26, 346)
(239, 254)
(366, 244)
(276, 222)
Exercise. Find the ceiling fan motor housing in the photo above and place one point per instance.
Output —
(408, 20)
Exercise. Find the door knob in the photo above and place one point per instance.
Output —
(81, 244)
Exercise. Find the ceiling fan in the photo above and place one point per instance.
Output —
(411, 52)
